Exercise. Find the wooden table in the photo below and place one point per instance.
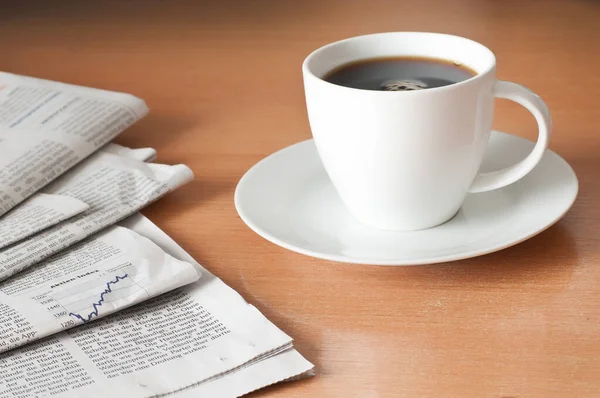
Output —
(224, 86)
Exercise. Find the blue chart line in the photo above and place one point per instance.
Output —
(95, 306)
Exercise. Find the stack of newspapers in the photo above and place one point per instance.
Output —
(96, 300)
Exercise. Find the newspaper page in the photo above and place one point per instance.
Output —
(35, 214)
(47, 127)
(113, 187)
(179, 342)
(99, 276)
(43, 210)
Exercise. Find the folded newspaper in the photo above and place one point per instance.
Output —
(101, 275)
(90, 308)
(201, 340)
(110, 185)
(47, 127)
(44, 210)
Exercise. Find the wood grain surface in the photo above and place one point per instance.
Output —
(224, 86)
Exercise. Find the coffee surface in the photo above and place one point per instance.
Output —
(399, 74)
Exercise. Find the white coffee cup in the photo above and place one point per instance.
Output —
(405, 160)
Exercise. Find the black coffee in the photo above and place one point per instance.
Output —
(399, 74)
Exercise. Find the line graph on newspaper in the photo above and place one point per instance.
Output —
(92, 299)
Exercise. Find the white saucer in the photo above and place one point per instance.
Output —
(287, 198)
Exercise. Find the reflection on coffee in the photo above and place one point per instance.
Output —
(399, 74)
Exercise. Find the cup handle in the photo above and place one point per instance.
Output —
(530, 100)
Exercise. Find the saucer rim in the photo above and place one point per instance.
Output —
(392, 262)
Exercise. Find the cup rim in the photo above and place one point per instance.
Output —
(478, 76)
